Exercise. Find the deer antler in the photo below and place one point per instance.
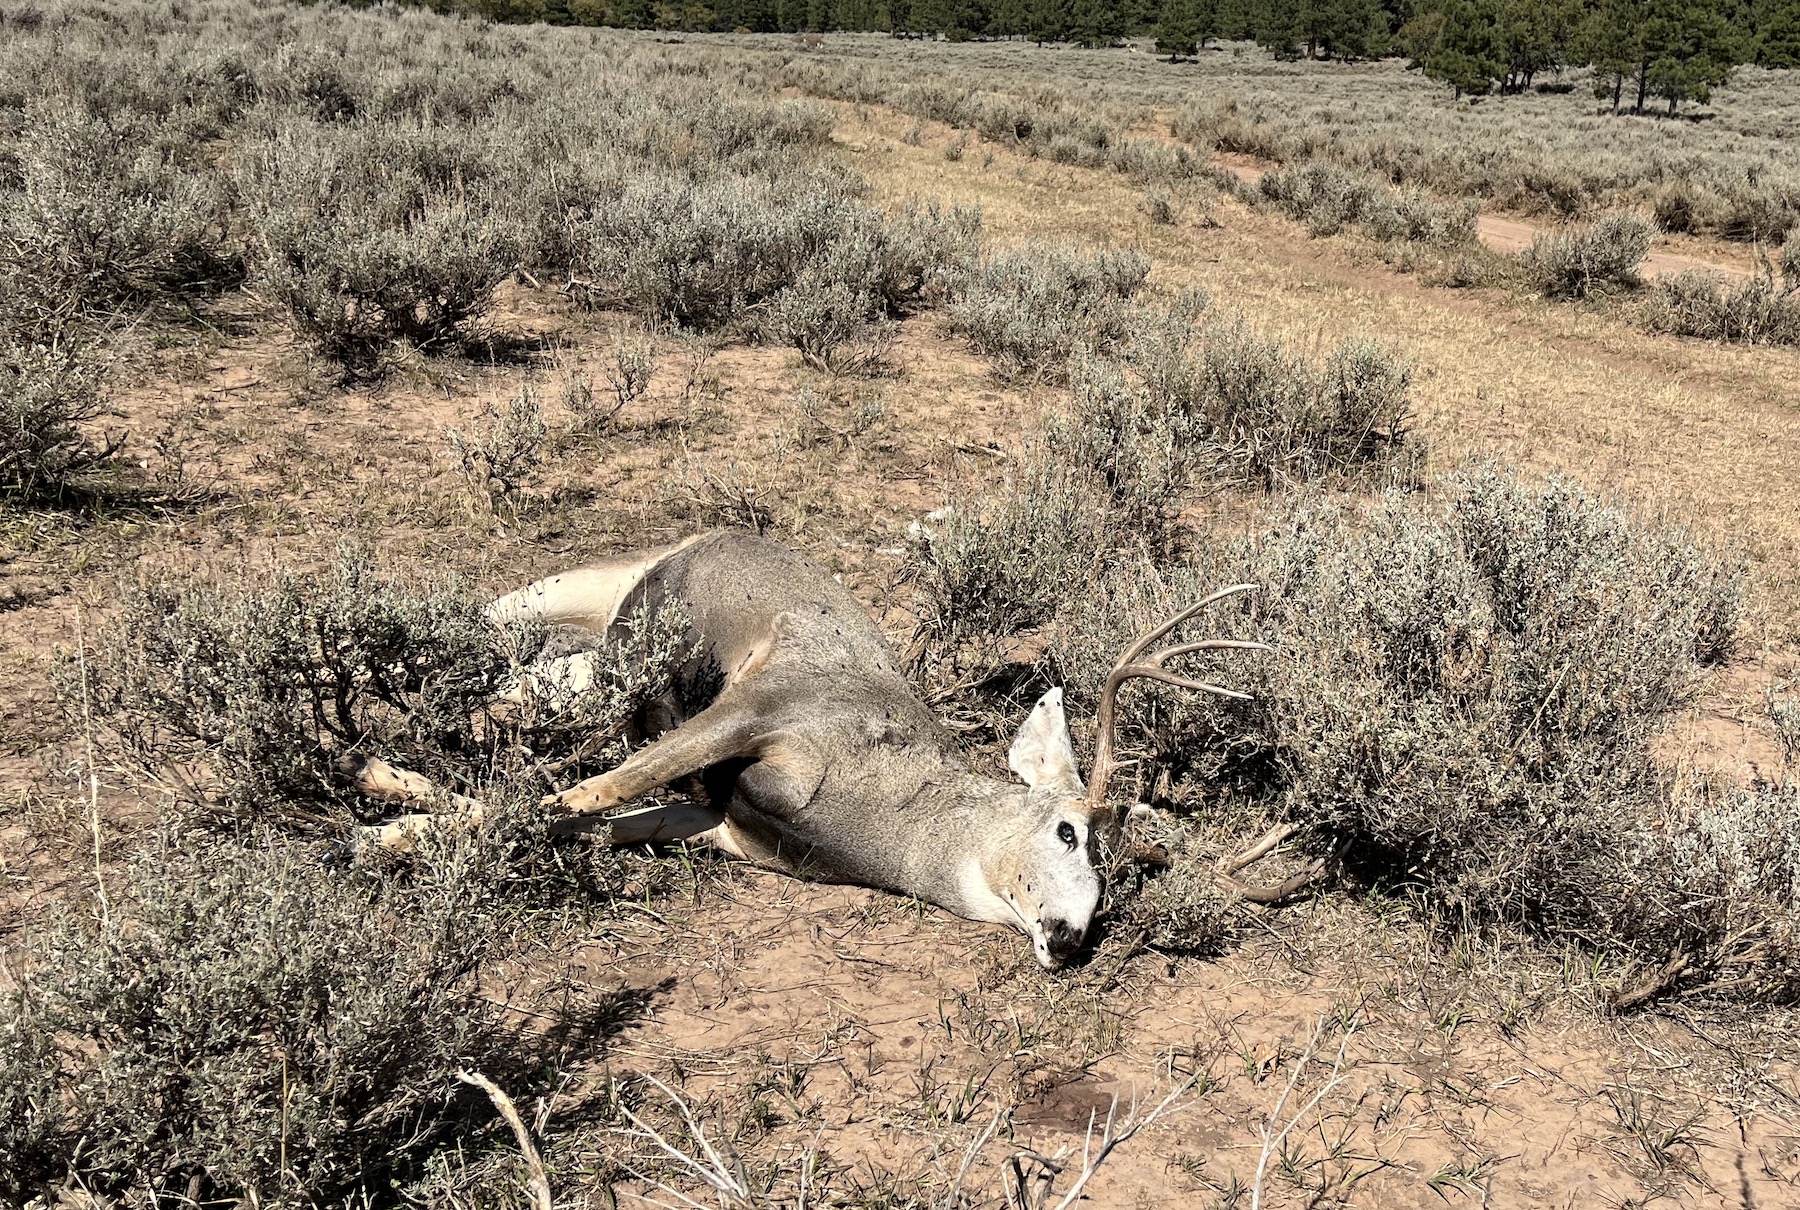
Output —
(1154, 667)
(1135, 663)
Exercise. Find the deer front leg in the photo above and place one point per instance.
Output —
(726, 729)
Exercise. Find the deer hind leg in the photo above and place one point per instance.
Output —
(589, 597)
(383, 782)
(726, 729)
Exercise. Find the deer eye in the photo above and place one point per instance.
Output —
(1065, 832)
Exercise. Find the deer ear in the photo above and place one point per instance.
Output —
(1042, 755)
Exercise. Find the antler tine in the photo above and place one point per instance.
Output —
(1144, 640)
(1168, 653)
(1134, 663)
(1148, 673)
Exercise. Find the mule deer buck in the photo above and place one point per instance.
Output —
(807, 751)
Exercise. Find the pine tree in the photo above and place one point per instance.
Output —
(1010, 18)
(1237, 19)
(1048, 20)
(1688, 51)
(1095, 22)
(1468, 55)
(1778, 36)
(1612, 39)
(1534, 36)
(1418, 38)
(1280, 28)
(1178, 29)
(927, 17)
(1353, 29)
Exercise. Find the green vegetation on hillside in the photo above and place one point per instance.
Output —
(1641, 50)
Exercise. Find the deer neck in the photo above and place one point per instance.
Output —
(983, 821)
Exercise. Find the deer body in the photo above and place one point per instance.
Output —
(821, 759)
(806, 749)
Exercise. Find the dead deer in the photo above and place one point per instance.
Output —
(806, 751)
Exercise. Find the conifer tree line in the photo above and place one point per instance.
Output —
(1644, 52)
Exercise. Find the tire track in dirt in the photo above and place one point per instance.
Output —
(1513, 235)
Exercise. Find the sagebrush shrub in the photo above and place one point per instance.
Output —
(49, 392)
(243, 698)
(1465, 699)
(355, 290)
(1754, 215)
(1260, 414)
(702, 253)
(627, 372)
(1718, 878)
(1279, 418)
(33, 1126)
(1191, 403)
(1180, 908)
(1142, 444)
(1423, 219)
(103, 217)
(373, 235)
(834, 325)
(309, 80)
(246, 1023)
(837, 311)
(504, 450)
(1784, 715)
(1754, 310)
(986, 570)
(1028, 309)
(1323, 195)
(1578, 261)
(1328, 197)
(698, 253)
(1680, 206)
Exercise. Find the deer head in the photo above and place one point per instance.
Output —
(1047, 872)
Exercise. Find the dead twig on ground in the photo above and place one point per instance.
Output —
(1033, 1191)
(1624, 998)
(1273, 1138)
(724, 1176)
(537, 1183)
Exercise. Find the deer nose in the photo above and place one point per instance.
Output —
(1061, 938)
